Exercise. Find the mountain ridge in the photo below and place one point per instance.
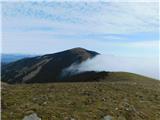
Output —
(49, 68)
(45, 68)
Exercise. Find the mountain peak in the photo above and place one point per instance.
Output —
(46, 68)
(83, 52)
(79, 49)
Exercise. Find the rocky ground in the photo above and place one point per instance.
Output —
(121, 100)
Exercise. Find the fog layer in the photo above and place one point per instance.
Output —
(144, 66)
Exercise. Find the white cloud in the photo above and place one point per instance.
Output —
(140, 44)
(42, 27)
(144, 66)
(82, 17)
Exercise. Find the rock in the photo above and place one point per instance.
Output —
(103, 99)
(116, 108)
(108, 117)
(45, 103)
(34, 99)
(33, 116)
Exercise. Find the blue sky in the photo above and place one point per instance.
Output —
(117, 28)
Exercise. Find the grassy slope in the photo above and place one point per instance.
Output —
(132, 97)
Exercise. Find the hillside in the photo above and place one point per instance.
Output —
(49, 68)
(88, 95)
(43, 69)
(103, 76)
(125, 97)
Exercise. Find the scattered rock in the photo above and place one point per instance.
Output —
(116, 108)
(108, 117)
(45, 103)
(104, 99)
(34, 99)
(33, 116)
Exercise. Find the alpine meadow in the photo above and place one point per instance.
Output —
(80, 60)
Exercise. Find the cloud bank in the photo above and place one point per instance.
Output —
(143, 66)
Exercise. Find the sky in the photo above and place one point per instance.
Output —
(127, 30)
(116, 28)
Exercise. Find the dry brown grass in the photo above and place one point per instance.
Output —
(123, 100)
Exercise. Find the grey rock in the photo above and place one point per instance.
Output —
(108, 117)
(33, 116)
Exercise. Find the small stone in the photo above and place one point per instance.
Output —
(34, 99)
(108, 117)
(45, 103)
(33, 116)
(103, 99)
(116, 108)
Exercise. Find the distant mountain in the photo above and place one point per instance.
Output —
(7, 58)
(46, 68)
(49, 68)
